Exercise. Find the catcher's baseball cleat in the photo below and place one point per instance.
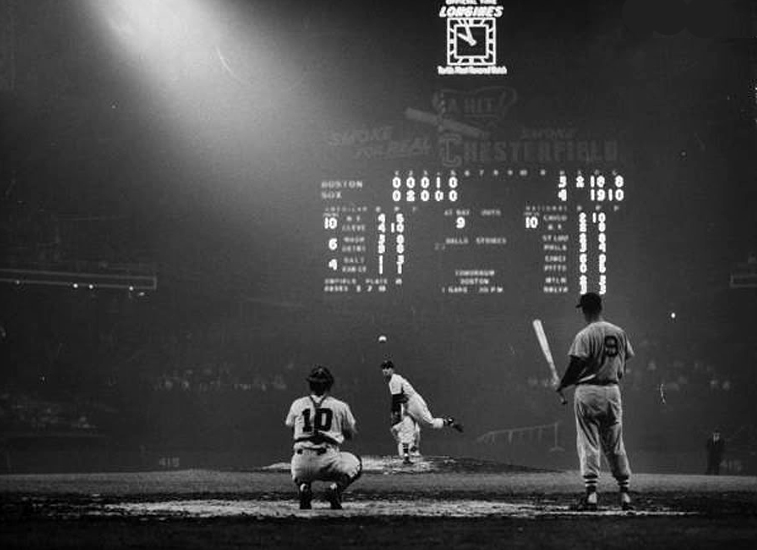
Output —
(334, 496)
(306, 497)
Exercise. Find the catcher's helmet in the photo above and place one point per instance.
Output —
(321, 375)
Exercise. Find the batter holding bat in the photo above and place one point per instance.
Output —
(541, 335)
(598, 358)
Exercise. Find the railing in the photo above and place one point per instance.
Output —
(527, 433)
(81, 274)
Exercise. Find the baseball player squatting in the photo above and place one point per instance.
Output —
(598, 358)
(407, 404)
(320, 424)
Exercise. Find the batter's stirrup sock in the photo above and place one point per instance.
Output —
(590, 482)
(306, 496)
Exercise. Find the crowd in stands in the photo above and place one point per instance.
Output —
(22, 413)
(75, 357)
(212, 378)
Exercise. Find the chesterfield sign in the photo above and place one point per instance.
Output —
(471, 37)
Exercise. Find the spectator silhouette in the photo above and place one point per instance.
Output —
(715, 448)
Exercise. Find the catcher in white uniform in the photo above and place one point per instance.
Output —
(408, 411)
(320, 424)
(598, 358)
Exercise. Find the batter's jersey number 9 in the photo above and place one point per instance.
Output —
(611, 346)
(322, 420)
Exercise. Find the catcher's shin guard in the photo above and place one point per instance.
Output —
(306, 496)
(334, 496)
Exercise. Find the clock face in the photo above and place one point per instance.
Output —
(471, 41)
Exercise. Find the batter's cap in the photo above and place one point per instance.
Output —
(591, 301)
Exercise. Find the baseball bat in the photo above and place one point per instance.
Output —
(544, 344)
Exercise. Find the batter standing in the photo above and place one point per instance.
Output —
(320, 424)
(598, 357)
(409, 409)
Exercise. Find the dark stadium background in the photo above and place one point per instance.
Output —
(131, 155)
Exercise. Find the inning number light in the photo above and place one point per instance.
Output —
(330, 223)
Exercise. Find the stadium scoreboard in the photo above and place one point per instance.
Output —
(492, 234)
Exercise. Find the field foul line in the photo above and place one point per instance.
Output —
(357, 508)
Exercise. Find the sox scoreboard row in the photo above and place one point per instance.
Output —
(493, 234)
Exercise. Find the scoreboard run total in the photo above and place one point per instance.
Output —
(485, 233)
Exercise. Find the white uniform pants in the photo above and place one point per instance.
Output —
(324, 464)
(407, 434)
(417, 408)
(599, 428)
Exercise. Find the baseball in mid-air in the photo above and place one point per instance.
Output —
(382, 339)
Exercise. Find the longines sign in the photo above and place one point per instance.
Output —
(471, 37)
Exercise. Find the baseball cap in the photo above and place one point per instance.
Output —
(387, 364)
(320, 374)
(590, 301)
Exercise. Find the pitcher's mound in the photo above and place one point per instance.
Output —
(425, 464)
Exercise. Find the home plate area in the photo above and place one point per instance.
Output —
(460, 508)
(375, 504)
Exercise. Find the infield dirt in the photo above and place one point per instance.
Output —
(444, 503)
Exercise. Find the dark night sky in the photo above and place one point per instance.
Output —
(206, 152)
(213, 164)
